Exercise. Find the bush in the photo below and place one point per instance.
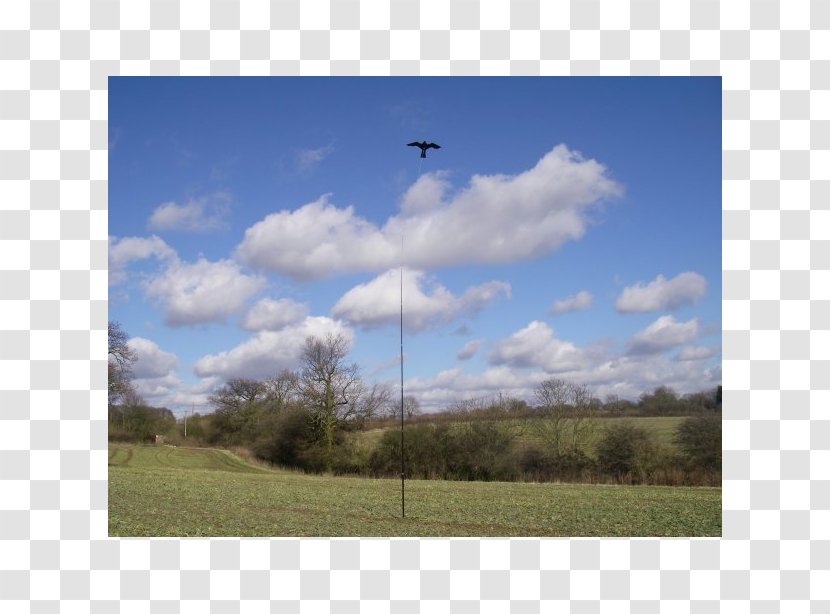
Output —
(285, 439)
(426, 451)
(568, 467)
(699, 439)
(473, 451)
(624, 452)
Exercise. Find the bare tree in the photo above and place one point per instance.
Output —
(237, 393)
(281, 389)
(329, 386)
(552, 395)
(369, 402)
(583, 411)
(411, 407)
(567, 415)
(120, 360)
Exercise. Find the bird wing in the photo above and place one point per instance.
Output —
(413, 144)
(434, 146)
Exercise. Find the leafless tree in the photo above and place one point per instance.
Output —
(411, 407)
(237, 393)
(567, 415)
(281, 389)
(329, 387)
(552, 395)
(369, 402)
(583, 411)
(120, 360)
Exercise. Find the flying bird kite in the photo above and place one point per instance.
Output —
(424, 146)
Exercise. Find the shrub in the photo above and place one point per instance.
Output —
(285, 439)
(699, 439)
(623, 452)
(567, 467)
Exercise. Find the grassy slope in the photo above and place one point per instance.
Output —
(188, 492)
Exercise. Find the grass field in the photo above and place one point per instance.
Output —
(166, 491)
(662, 428)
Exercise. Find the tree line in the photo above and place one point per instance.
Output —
(316, 417)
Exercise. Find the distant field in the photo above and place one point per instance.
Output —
(166, 491)
(663, 428)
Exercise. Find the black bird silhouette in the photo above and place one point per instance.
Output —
(424, 146)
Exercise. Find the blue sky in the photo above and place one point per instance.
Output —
(568, 227)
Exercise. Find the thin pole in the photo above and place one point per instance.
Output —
(403, 504)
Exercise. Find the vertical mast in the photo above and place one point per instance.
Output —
(403, 504)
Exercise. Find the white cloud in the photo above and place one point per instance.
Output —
(425, 195)
(536, 346)
(454, 385)
(697, 353)
(426, 303)
(271, 314)
(495, 219)
(154, 376)
(171, 392)
(661, 293)
(308, 159)
(315, 240)
(578, 302)
(125, 250)
(203, 214)
(151, 360)
(203, 291)
(469, 350)
(159, 391)
(626, 376)
(268, 352)
(663, 334)
(529, 356)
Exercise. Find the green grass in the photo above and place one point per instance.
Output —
(165, 491)
(662, 428)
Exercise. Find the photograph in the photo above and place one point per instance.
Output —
(414, 306)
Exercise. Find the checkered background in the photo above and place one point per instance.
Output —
(55, 57)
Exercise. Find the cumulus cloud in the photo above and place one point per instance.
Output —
(154, 375)
(315, 240)
(697, 353)
(426, 303)
(469, 350)
(520, 362)
(204, 214)
(160, 390)
(126, 250)
(536, 346)
(426, 194)
(494, 219)
(662, 293)
(454, 385)
(578, 302)
(663, 334)
(268, 352)
(271, 314)
(625, 376)
(202, 291)
(151, 360)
